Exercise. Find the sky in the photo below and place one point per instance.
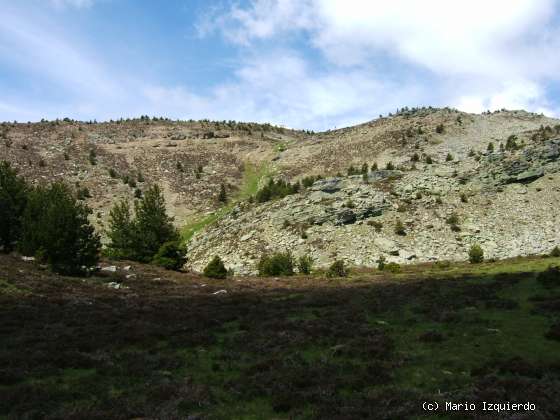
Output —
(310, 64)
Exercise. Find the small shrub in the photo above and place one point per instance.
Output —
(337, 269)
(438, 200)
(399, 228)
(471, 153)
(305, 264)
(429, 160)
(453, 219)
(171, 256)
(393, 267)
(216, 269)
(440, 129)
(476, 254)
(92, 157)
(555, 252)
(83, 193)
(377, 225)
(222, 195)
(112, 173)
(278, 264)
(490, 147)
(449, 157)
(464, 198)
(381, 263)
(137, 193)
(390, 166)
(415, 157)
(511, 143)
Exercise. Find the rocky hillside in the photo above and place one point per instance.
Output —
(450, 179)
(447, 189)
(189, 160)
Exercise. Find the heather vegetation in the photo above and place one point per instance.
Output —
(375, 345)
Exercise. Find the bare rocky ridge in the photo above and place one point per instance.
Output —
(505, 199)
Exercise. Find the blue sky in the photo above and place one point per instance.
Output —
(313, 64)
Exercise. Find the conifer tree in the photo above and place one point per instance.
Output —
(56, 230)
(13, 198)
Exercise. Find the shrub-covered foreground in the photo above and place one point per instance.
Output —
(371, 346)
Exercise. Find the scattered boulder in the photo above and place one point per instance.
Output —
(346, 217)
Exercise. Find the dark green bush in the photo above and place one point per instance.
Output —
(337, 269)
(13, 199)
(305, 264)
(453, 222)
(278, 264)
(393, 267)
(476, 254)
(555, 252)
(83, 193)
(56, 230)
(171, 255)
(216, 269)
(276, 189)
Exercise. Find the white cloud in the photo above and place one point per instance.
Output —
(376, 57)
(505, 50)
(280, 87)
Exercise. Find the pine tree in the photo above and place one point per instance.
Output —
(476, 254)
(57, 231)
(153, 226)
(121, 232)
(215, 269)
(13, 199)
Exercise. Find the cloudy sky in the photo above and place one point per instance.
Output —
(313, 64)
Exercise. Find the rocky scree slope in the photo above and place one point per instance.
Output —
(505, 199)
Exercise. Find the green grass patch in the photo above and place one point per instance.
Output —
(252, 175)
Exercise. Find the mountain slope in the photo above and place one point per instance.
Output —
(505, 199)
